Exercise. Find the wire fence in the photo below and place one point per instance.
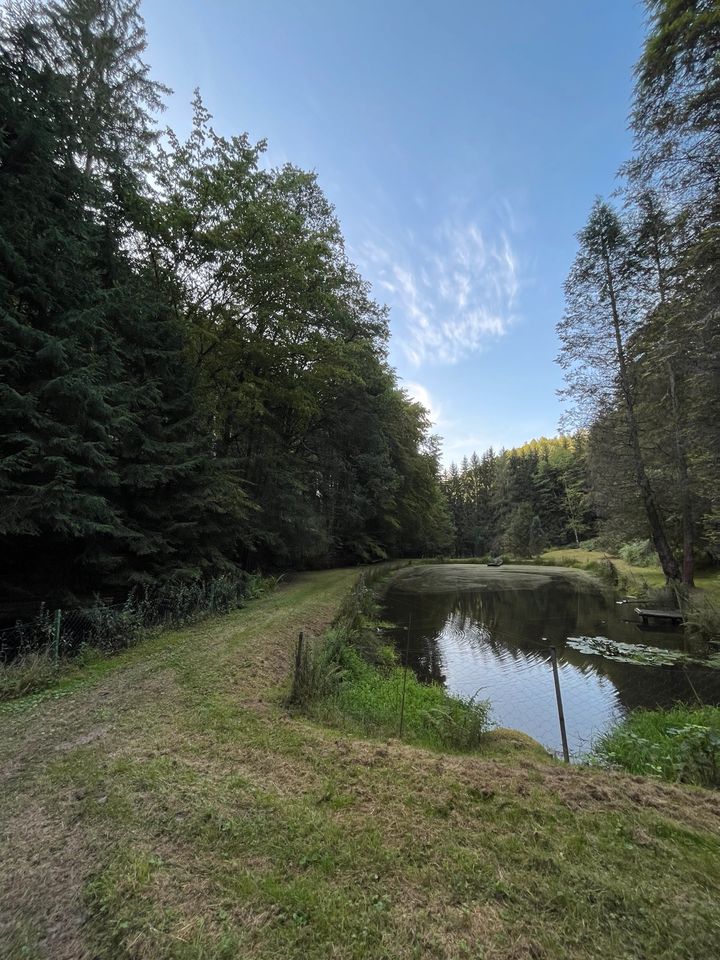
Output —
(528, 695)
(58, 631)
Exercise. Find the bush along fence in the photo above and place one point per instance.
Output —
(32, 651)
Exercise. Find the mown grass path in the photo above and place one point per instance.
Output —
(169, 807)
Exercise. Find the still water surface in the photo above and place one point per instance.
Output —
(486, 632)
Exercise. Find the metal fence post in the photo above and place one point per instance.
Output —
(558, 697)
(298, 655)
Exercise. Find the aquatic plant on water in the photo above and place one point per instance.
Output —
(639, 653)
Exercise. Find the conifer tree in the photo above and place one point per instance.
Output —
(57, 418)
(602, 313)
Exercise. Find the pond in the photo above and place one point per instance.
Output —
(486, 632)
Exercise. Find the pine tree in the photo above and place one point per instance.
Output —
(602, 313)
(98, 46)
(57, 418)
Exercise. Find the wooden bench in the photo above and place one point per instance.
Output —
(667, 616)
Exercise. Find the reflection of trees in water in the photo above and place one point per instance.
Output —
(518, 625)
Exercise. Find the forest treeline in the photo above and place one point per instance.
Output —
(640, 338)
(523, 500)
(193, 375)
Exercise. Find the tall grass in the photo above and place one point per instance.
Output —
(702, 617)
(638, 553)
(681, 744)
(353, 679)
(31, 657)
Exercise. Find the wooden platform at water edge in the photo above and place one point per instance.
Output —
(664, 616)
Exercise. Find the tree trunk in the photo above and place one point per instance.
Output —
(688, 527)
(657, 529)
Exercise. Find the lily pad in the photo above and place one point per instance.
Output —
(639, 653)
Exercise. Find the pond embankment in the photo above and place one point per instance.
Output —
(171, 809)
(487, 632)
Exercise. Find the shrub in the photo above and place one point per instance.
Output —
(112, 628)
(702, 617)
(638, 553)
(606, 570)
(28, 648)
(30, 636)
(681, 744)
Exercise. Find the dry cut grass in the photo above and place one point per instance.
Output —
(170, 807)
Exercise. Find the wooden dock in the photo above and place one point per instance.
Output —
(664, 616)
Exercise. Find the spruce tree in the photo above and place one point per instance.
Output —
(57, 419)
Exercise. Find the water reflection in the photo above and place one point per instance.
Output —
(490, 640)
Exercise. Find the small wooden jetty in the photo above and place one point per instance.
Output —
(664, 616)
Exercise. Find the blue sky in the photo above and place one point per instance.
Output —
(462, 144)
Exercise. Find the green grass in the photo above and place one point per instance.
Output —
(113, 631)
(680, 744)
(638, 577)
(375, 702)
(168, 807)
(352, 679)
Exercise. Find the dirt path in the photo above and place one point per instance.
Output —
(173, 809)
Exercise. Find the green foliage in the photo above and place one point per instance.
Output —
(371, 701)
(533, 495)
(352, 679)
(638, 553)
(193, 375)
(111, 628)
(681, 744)
(702, 616)
(519, 530)
(462, 723)
(641, 332)
(318, 671)
(28, 657)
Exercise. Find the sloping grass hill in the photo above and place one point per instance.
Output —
(168, 806)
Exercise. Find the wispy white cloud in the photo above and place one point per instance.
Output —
(450, 296)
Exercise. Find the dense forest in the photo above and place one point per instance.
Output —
(193, 376)
(523, 500)
(640, 338)
(641, 332)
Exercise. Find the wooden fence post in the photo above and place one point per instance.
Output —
(56, 635)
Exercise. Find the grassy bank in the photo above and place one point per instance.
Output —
(47, 654)
(352, 679)
(636, 577)
(170, 807)
(681, 744)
